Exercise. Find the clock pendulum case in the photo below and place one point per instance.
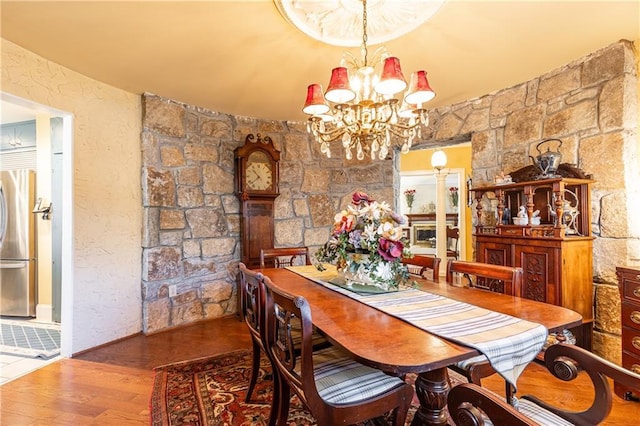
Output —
(257, 186)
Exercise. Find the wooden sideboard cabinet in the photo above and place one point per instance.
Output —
(629, 285)
(555, 251)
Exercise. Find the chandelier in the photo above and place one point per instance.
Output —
(365, 114)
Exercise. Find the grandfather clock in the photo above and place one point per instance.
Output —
(257, 186)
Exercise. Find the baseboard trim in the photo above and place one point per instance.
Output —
(44, 312)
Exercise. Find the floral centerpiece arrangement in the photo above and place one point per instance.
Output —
(367, 244)
(410, 195)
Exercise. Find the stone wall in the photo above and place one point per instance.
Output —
(590, 104)
(191, 212)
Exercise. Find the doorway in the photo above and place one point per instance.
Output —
(50, 158)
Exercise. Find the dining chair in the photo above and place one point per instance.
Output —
(333, 387)
(284, 256)
(478, 367)
(565, 362)
(252, 300)
(453, 242)
(418, 265)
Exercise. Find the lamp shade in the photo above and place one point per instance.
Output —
(391, 80)
(315, 103)
(339, 90)
(438, 160)
(419, 90)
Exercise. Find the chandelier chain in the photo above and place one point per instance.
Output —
(364, 31)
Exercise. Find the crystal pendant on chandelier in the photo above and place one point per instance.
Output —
(365, 114)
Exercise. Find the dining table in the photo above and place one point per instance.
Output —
(393, 345)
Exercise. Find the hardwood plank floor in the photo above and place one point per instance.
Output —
(111, 385)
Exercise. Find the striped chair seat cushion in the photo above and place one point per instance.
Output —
(535, 413)
(341, 380)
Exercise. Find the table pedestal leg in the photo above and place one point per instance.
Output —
(432, 388)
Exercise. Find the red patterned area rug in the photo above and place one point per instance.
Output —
(211, 391)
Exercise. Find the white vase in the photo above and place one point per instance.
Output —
(360, 271)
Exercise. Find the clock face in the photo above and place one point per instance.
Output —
(259, 175)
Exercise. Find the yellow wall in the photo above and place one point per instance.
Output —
(458, 157)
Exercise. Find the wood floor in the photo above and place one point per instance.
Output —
(111, 385)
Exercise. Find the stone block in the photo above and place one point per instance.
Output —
(196, 152)
(190, 196)
(189, 176)
(191, 248)
(160, 189)
(508, 100)
(171, 238)
(612, 104)
(206, 222)
(339, 177)
(523, 125)
(186, 313)
(607, 309)
(476, 121)
(300, 207)
(371, 175)
(217, 291)
(157, 315)
(316, 236)
(291, 173)
(603, 156)
(217, 180)
(607, 254)
(267, 127)
(575, 117)
(233, 223)
(230, 204)
(150, 149)
(288, 233)
(151, 219)
(449, 127)
(161, 263)
(163, 116)
(559, 84)
(213, 247)
(613, 215)
(315, 180)
(171, 156)
(483, 149)
(171, 219)
(282, 207)
(296, 147)
(606, 65)
(321, 212)
(607, 346)
(195, 268)
(218, 129)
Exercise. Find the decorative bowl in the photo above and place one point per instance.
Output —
(520, 221)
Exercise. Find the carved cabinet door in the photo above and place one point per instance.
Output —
(540, 272)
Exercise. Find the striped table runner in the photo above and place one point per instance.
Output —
(508, 342)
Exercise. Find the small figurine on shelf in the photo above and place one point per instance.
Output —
(535, 218)
(522, 218)
(502, 179)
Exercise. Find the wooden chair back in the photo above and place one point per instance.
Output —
(284, 256)
(251, 299)
(418, 265)
(453, 242)
(295, 365)
(565, 362)
(502, 279)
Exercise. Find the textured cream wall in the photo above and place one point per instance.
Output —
(107, 204)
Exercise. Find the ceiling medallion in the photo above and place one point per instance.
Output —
(338, 22)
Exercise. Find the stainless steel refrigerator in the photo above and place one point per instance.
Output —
(17, 243)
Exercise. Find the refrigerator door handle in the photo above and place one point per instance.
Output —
(13, 264)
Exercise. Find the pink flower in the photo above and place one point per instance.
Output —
(390, 250)
(360, 197)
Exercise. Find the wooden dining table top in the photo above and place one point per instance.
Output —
(393, 345)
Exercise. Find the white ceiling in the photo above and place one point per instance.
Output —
(243, 57)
